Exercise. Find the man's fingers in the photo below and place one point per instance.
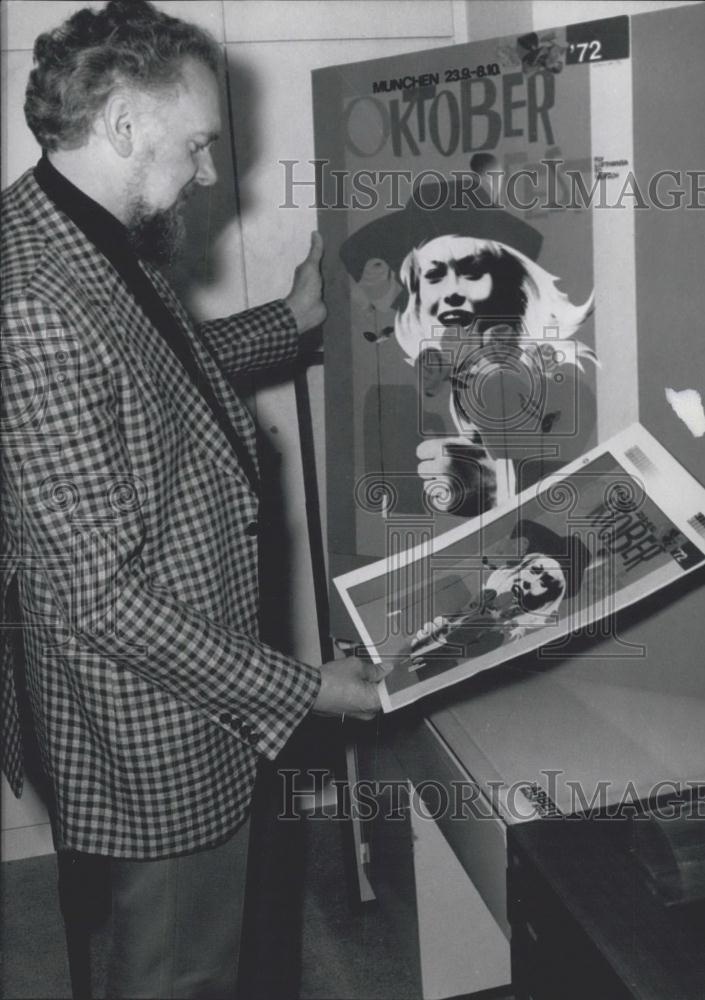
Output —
(371, 671)
(362, 716)
(316, 251)
(376, 671)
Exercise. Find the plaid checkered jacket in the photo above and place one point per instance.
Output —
(131, 529)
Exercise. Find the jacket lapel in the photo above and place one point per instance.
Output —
(239, 414)
(136, 338)
(146, 347)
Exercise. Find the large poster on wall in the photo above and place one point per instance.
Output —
(478, 205)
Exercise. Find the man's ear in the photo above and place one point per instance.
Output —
(118, 121)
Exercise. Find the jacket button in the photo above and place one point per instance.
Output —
(225, 718)
(252, 528)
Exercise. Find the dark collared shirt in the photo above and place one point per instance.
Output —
(111, 238)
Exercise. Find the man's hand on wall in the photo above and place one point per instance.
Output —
(306, 296)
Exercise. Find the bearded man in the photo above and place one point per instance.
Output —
(131, 482)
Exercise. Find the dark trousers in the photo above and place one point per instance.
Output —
(174, 924)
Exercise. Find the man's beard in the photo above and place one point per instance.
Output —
(157, 237)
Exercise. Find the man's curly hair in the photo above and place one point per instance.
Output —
(78, 64)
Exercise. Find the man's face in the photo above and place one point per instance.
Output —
(172, 157)
(454, 281)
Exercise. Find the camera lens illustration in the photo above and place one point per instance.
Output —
(498, 389)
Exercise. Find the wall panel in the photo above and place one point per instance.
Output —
(281, 20)
(23, 20)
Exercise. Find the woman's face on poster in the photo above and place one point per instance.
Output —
(453, 281)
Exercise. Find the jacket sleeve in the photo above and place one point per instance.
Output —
(257, 338)
(71, 448)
